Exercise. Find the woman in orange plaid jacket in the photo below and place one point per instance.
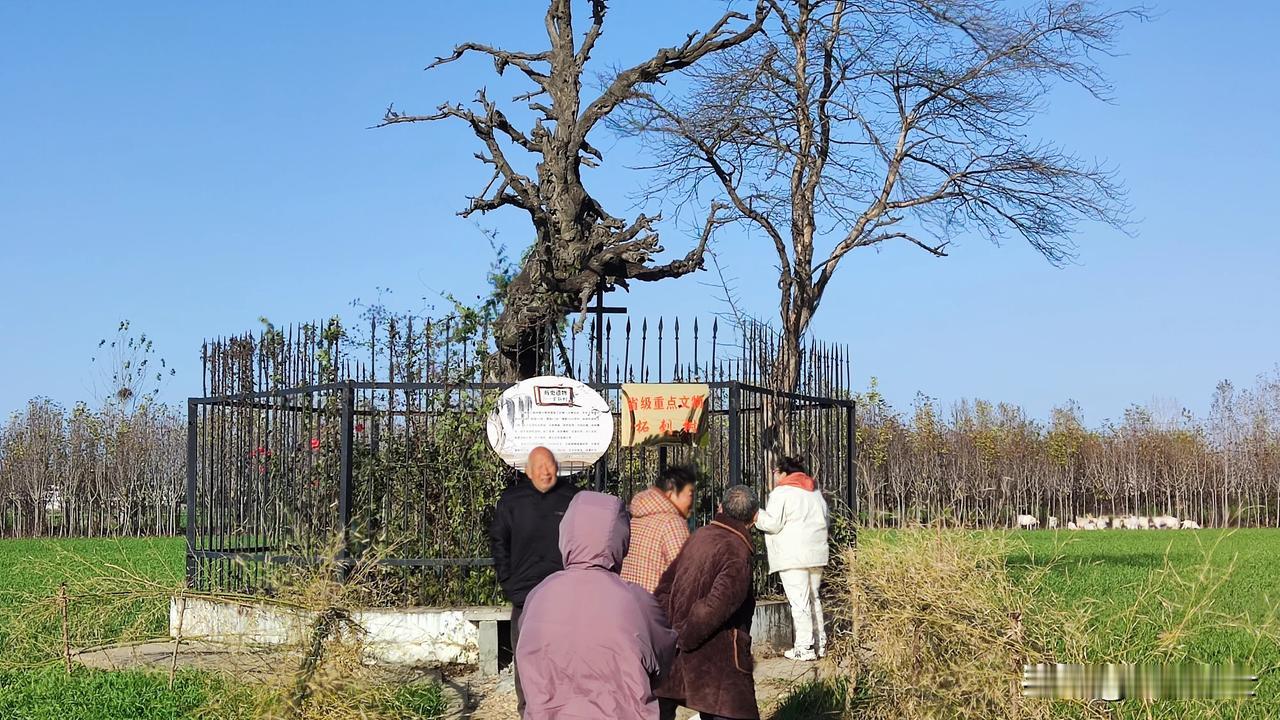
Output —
(659, 526)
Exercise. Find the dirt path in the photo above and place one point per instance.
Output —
(472, 696)
(238, 661)
(775, 676)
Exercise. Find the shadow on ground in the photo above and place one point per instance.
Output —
(826, 699)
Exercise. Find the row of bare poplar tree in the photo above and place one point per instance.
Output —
(108, 472)
(980, 464)
(91, 472)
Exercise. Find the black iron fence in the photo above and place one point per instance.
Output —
(395, 477)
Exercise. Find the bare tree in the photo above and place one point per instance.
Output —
(578, 246)
(129, 379)
(848, 125)
(34, 448)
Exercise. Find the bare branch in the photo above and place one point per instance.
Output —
(577, 244)
(669, 60)
(850, 125)
(598, 11)
(483, 126)
(501, 60)
(695, 258)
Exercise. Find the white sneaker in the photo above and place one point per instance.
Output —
(801, 654)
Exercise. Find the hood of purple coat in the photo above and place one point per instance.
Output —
(595, 532)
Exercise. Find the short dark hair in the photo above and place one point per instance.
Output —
(740, 503)
(787, 465)
(676, 477)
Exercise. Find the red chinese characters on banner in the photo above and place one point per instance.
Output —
(636, 404)
(669, 413)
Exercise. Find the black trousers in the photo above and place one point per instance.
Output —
(515, 666)
(667, 711)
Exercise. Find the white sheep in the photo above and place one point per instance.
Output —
(1131, 522)
(1027, 522)
(1071, 525)
(1090, 525)
(1053, 522)
(1117, 522)
(1190, 525)
(1163, 522)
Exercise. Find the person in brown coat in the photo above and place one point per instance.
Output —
(707, 595)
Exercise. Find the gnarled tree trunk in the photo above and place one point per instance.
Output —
(578, 248)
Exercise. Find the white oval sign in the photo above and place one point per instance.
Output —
(561, 414)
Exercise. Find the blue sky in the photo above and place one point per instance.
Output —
(192, 167)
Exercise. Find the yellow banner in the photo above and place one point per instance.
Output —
(662, 413)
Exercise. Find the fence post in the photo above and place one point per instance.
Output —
(192, 563)
(598, 376)
(851, 449)
(735, 433)
(347, 430)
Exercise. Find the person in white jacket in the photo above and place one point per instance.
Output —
(795, 521)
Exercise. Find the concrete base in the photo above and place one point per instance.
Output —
(413, 636)
(771, 629)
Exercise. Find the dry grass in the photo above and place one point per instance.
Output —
(932, 627)
(931, 624)
(326, 676)
(935, 624)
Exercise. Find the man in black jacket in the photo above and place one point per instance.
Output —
(525, 535)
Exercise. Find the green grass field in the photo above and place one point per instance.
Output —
(1140, 598)
(34, 684)
(1210, 596)
(1113, 576)
(31, 570)
(1235, 572)
(34, 688)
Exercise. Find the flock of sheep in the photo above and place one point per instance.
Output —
(1114, 522)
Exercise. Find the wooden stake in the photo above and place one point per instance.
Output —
(177, 637)
(66, 630)
(1019, 662)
